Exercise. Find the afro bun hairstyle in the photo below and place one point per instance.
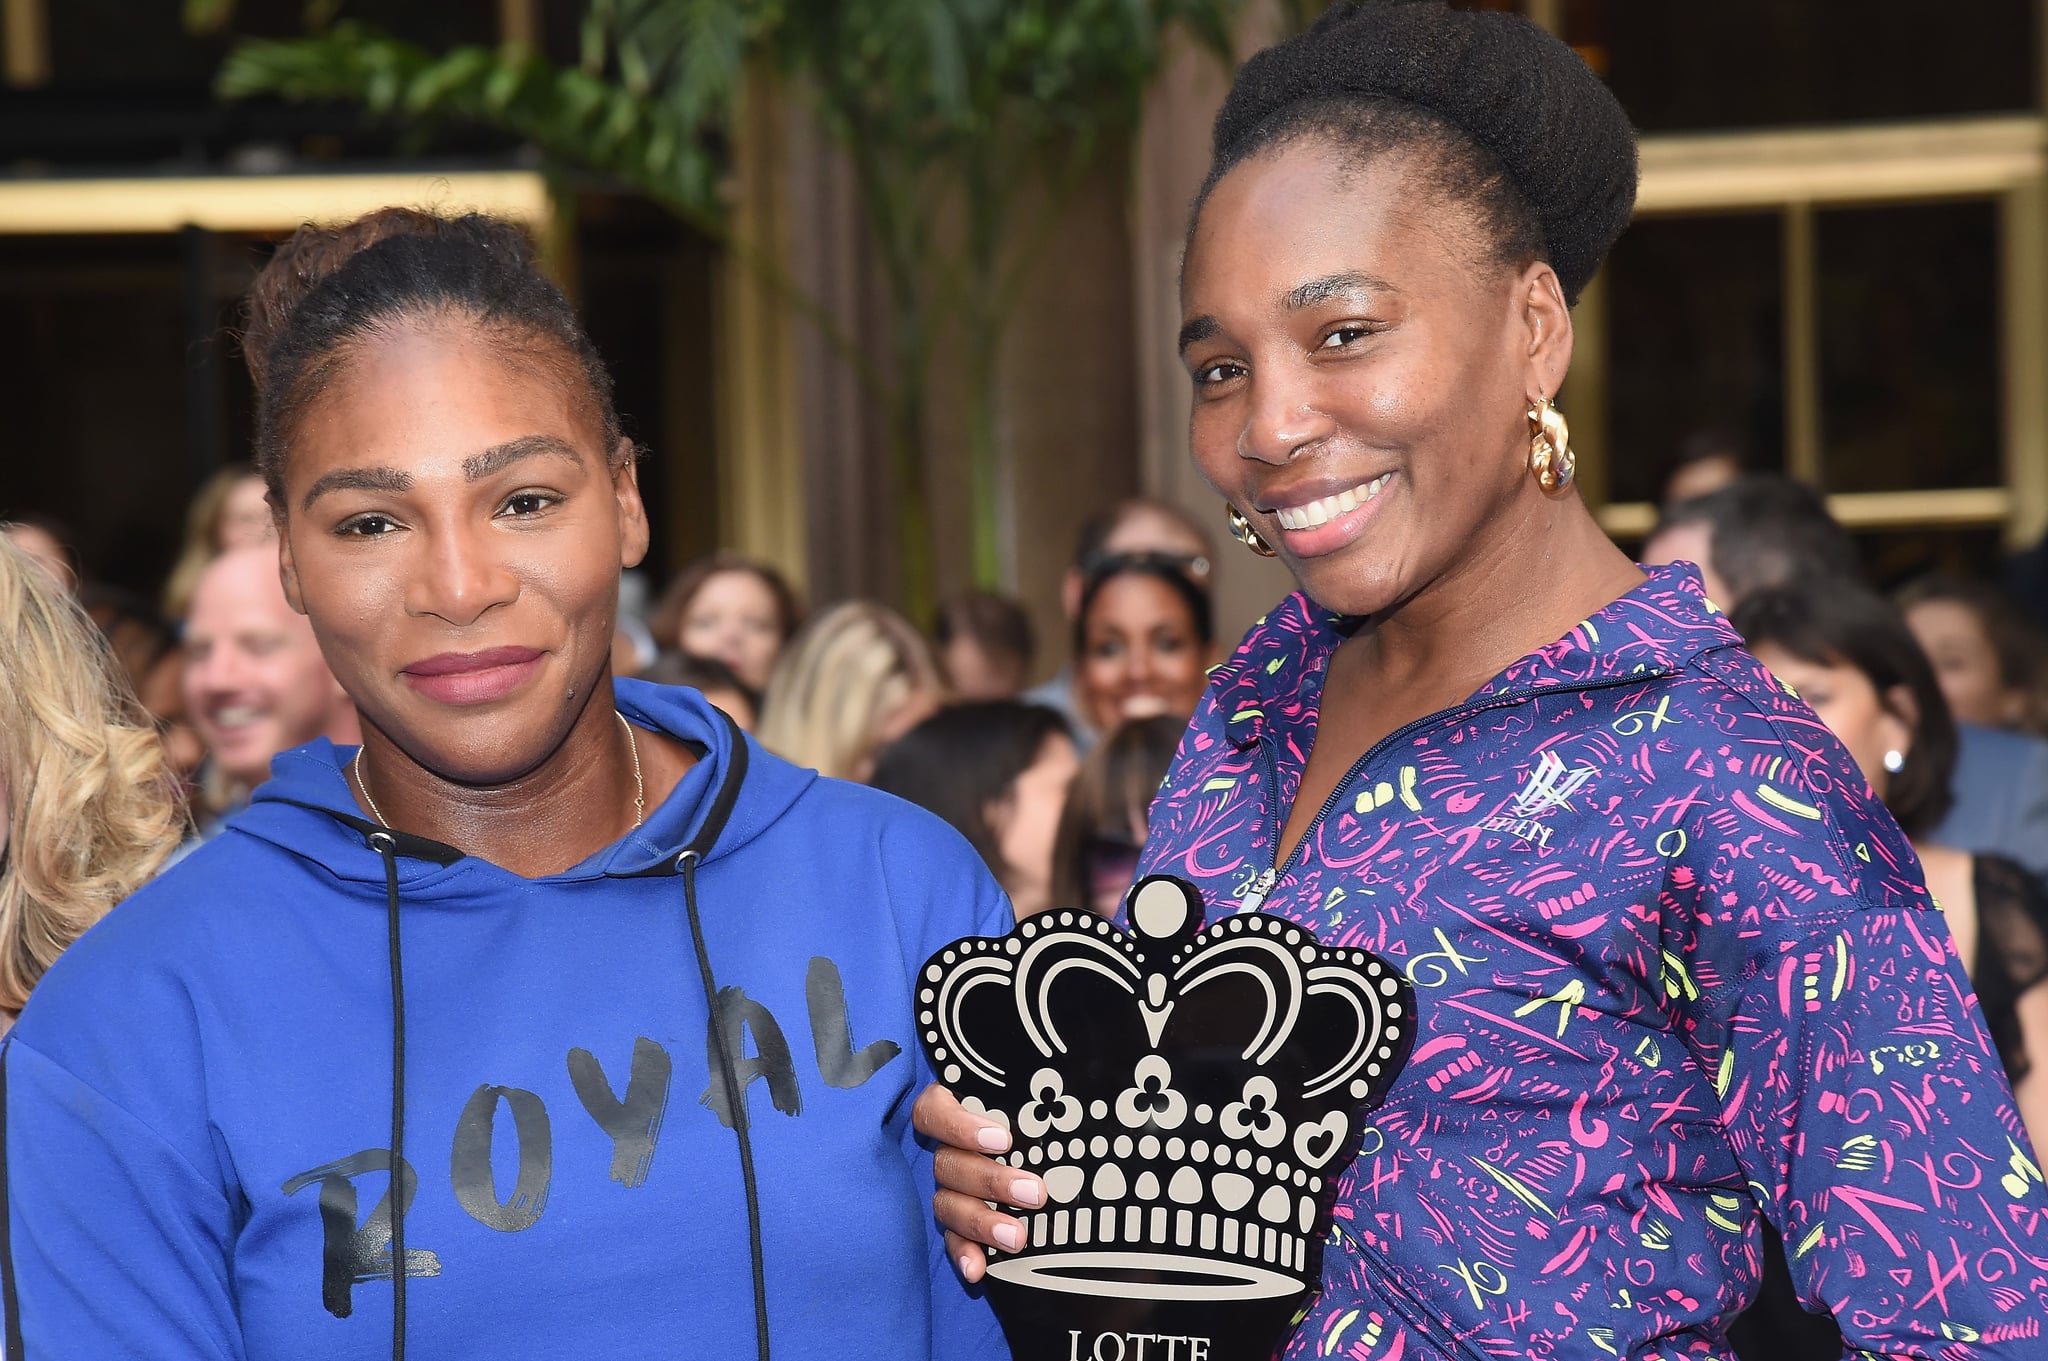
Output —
(1550, 158)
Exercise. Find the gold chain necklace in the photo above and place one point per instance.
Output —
(632, 746)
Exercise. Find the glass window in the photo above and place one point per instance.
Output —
(1696, 344)
(1909, 367)
(1687, 65)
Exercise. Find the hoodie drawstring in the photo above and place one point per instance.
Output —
(386, 845)
(735, 1100)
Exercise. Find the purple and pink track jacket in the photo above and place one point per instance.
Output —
(1675, 968)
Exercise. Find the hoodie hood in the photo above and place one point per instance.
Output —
(727, 799)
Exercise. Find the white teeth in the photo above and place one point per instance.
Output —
(235, 716)
(1321, 512)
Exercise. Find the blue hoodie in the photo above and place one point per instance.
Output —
(199, 1103)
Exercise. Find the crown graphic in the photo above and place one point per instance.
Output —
(1188, 1094)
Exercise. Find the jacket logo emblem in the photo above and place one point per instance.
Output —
(1550, 786)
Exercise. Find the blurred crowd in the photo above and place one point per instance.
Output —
(1939, 690)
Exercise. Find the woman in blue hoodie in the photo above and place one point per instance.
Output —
(1676, 971)
(556, 1020)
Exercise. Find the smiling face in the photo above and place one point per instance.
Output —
(1141, 653)
(1362, 369)
(255, 682)
(455, 535)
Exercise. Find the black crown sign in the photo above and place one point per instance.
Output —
(1189, 1096)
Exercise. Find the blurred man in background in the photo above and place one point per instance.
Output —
(255, 682)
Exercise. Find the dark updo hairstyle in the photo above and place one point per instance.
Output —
(963, 761)
(1500, 116)
(1162, 567)
(1832, 622)
(329, 290)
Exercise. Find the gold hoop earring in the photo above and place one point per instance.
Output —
(1550, 448)
(1241, 530)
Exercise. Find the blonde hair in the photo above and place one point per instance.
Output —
(92, 809)
(838, 682)
(202, 536)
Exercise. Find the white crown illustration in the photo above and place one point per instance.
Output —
(1187, 1094)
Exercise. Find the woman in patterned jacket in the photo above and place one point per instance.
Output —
(1677, 973)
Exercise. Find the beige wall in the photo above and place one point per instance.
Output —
(1173, 156)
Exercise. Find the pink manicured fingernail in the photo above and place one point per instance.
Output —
(1026, 1191)
(967, 1266)
(1007, 1238)
(993, 1138)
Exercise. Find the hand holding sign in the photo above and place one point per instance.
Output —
(1187, 1097)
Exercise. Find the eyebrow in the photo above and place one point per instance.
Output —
(1333, 286)
(479, 466)
(474, 468)
(1310, 294)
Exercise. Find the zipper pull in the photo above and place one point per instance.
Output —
(1256, 894)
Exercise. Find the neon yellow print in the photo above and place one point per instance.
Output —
(1859, 1153)
(1379, 796)
(1916, 1055)
(1677, 980)
(1671, 844)
(1841, 965)
(1514, 1186)
(1785, 803)
(1483, 1279)
(1812, 1239)
(1570, 995)
(1727, 1072)
(1333, 1340)
(1959, 1332)
(1408, 776)
(1656, 1236)
(1273, 667)
(2024, 1170)
(1725, 1212)
(1632, 725)
(1649, 1052)
(1247, 715)
(1440, 974)
(1603, 1338)
(1220, 783)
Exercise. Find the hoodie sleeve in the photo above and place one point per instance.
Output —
(1818, 988)
(958, 898)
(115, 1244)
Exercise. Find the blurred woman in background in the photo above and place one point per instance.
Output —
(88, 810)
(999, 772)
(731, 609)
(854, 680)
(228, 511)
(1143, 642)
(1102, 831)
(1991, 662)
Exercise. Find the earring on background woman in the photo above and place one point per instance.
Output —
(1895, 760)
(1241, 530)
(1550, 447)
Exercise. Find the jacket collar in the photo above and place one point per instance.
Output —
(1656, 629)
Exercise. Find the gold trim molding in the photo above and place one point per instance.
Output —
(1715, 172)
(1955, 507)
(258, 203)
